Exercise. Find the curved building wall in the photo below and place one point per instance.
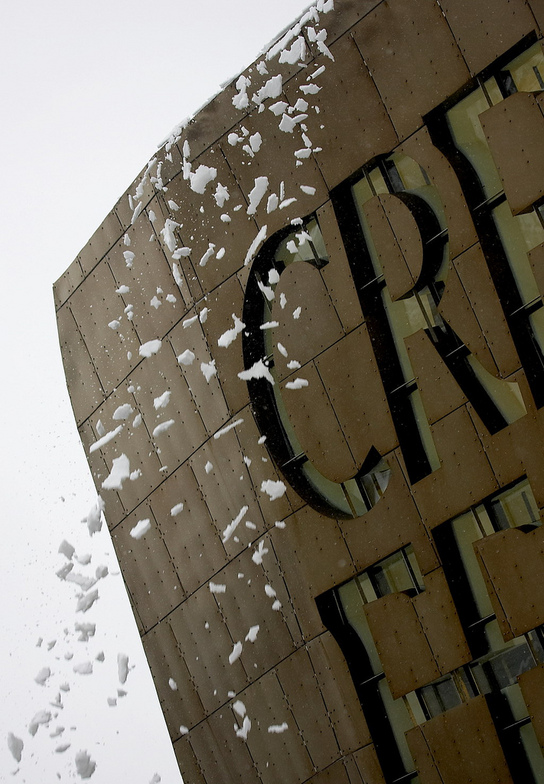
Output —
(305, 353)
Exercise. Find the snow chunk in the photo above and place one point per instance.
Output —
(66, 549)
(149, 348)
(199, 179)
(269, 591)
(86, 631)
(162, 427)
(239, 708)
(241, 100)
(83, 668)
(278, 108)
(85, 765)
(298, 383)
(122, 412)
(269, 325)
(235, 653)
(251, 636)
(187, 358)
(43, 676)
(271, 89)
(120, 471)
(105, 439)
(173, 685)
(297, 312)
(293, 364)
(295, 53)
(217, 587)
(278, 728)
(309, 89)
(15, 745)
(42, 717)
(183, 729)
(227, 428)
(207, 256)
(221, 194)
(232, 526)
(122, 667)
(256, 194)
(114, 324)
(259, 553)
(86, 602)
(129, 258)
(308, 189)
(230, 335)
(189, 321)
(288, 122)
(245, 728)
(163, 400)
(273, 489)
(175, 510)
(254, 247)
(257, 370)
(208, 370)
(208, 467)
(141, 528)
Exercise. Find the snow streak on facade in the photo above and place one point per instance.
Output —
(305, 353)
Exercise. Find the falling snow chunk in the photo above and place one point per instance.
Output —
(42, 717)
(286, 202)
(189, 321)
(293, 364)
(273, 489)
(43, 676)
(122, 667)
(230, 335)
(155, 303)
(254, 247)
(269, 325)
(187, 358)
(105, 439)
(85, 765)
(170, 298)
(288, 123)
(173, 685)
(298, 383)
(225, 218)
(119, 472)
(66, 549)
(129, 258)
(203, 315)
(86, 602)
(239, 708)
(114, 324)
(217, 587)
(235, 653)
(183, 730)
(86, 630)
(245, 728)
(283, 300)
(259, 553)
(172, 204)
(241, 100)
(199, 179)
(175, 510)
(232, 526)
(149, 348)
(269, 591)
(307, 189)
(207, 256)
(162, 427)
(15, 745)
(278, 728)
(251, 636)
(309, 89)
(297, 312)
(177, 275)
(83, 668)
(163, 400)
(258, 370)
(303, 153)
(256, 194)
(140, 529)
(137, 420)
(208, 370)
(122, 412)
(276, 605)
(227, 428)
(266, 290)
(221, 194)
(156, 779)
(208, 467)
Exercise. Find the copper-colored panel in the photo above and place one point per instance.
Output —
(176, 691)
(95, 306)
(147, 568)
(222, 757)
(347, 138)
(461, 231)
(338, 693)
(404, 651)
(476, 281)
(440, 392)
(207, 394)
(352, 11)
(428, 773)
(67, 283)
(513, 562)
(368, 764)
(205, 643)
(351, 378)
(537, 8)
(81, 378)
(513, 129)
(413, 58)
(222, 303)
(316, 426)
(102, 240)
(464, 477)
(440, 622)
(392, 523)
(189, 533)
(224, 482)
(464, 745)
(188, 764)
(486, 29)
(399, 275)
(532, 688)
(308, 322)
(334, 774)
(276, 579)
(337, 274)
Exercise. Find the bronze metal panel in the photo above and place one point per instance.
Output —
(334, 774)
(347, 139)
(392, 523)
(227, 490)
(222, 757)
(404, 651)
(207, 396)
(222, 303)
(190, 535)
(67, 283)
(84, 386)
(478, 286)
(205, 643)
(316, 426)
(413, 58)
(315, 328)
(464, 477)
(513, 562)
(188, 764)
(147, 568)
(513, 129)
(440, 392)
(338, 693)
(464, 745)
(368, 764)
(486, 29)
(95, 305)
(181, 705)
(428, 773)
(154, 377)
(337, 274)
(298, 681)
(440, 622)
(537, 8)
(352, 380)
(352, 11)
(354, 775)
(102, 240)
(532, 687)
(461, 231)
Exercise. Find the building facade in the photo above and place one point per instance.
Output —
(305, 353)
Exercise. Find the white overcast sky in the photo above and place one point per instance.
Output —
(87, 89)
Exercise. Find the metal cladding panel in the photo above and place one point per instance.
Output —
(102, 240)
(298, 681)
(368, 764)
(334, 774)
(487, 29)
(316, 425)
(513, 129)
(67, 283)
(413, 58)
(353, 384)
(513, 561)
(308, 322)
(222, 762)
(336, 274)
(428, 772)
(149, 572)
(338, 693)
(440, 623)
(402, 646)
(187, 761)
(176, 690)
(532, 687)
(537, 9)
(189, 533)
(344, 139)
(464, 745)
(352, 11)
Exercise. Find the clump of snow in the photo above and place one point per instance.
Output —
(232, 526)
(239, 708)
(235, 653)
(183, 730)
(251, 636)
(208, 468)
(208, 370)
(175, 510)
(217, 587)
(162, 427)
(120, 471)
(122, 412)
(186, 358)
(201, 177)
(15, 745)
(230, 335)
(141, 528)
(105, 439)
(298, 383)
(259, 553)
(85, 765)
(86, 601)
(273, 489)
(297, 312)
(228, 427)
(122, 667)
(42, 717)
(149, 348)
(43, 676)
(278, 728)
(83, 668)
(173, 685)
(243, 731)
(207, 255)
(66, 549)
(257, 370)
(162, 400)
(255, 245)
(256, 194)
